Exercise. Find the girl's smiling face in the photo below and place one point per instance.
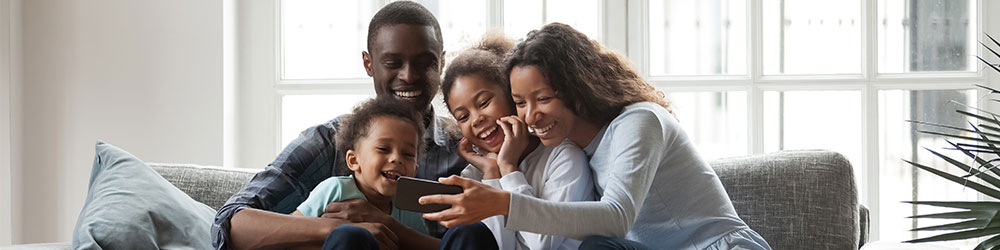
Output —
(387, 152)
(540, 106)
(477, 105)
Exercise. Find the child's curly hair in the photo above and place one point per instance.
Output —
(484, 60)
(357, 124)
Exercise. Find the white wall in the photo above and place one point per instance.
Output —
(143, 75)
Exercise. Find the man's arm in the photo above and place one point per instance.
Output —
(259, 229)
(307, 161)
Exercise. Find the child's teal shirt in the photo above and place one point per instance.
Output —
(342, 188)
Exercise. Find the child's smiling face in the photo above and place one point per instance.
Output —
(387, 152)
(477, 105)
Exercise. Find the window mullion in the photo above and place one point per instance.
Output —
(755, 102)
(869, 186)
(495, 13)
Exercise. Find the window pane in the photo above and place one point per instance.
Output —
(299, 112)
(815, 120)
(463, 22)
(522, 16)
(715, 121)
(583, 15)
(811, 37)
(691, 37)
(926, 35)
(324, 39)
(900, 181)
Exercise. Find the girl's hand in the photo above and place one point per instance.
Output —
(485, 163)
(477, 202)
(515, 140)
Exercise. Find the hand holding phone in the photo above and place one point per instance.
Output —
(409, 190)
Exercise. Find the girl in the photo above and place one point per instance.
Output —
(499, 147)
(656, 192)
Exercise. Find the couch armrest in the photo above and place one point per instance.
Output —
(863, 222)
(802, 199)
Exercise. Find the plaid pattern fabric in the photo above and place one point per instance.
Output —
(312, 158)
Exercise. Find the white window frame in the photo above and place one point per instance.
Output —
(868, 83)
(259, 95)
(623, 29)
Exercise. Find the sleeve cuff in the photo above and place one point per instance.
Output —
(516, 182)
(494, 183)
(472, 172)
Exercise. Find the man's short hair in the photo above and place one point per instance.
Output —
(403, 12)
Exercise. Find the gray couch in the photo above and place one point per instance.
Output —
(794, 199)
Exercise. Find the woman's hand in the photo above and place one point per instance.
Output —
(486, 163)
(477, 202)
(515, 140)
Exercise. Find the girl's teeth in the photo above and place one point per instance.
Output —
(484, 134)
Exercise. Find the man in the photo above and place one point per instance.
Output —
(405, 58)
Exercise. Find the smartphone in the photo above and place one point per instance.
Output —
(409, 190)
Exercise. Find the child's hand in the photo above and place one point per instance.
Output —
(515, 140)
(485, 163)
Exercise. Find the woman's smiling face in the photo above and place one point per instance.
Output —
(540, 106)
(477, 105)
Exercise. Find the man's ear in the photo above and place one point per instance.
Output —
(366, 59)
(352, 160)
(441, 69)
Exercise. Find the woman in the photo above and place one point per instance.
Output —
(656, 190)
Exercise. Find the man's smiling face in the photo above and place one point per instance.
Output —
(405, 62)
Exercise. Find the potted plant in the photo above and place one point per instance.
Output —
(979, 218)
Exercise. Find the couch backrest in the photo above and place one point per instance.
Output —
(209, 185)
(795, 199)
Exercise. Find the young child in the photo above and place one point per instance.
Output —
(380, 141)
(501, 150)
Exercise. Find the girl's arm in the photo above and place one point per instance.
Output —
(505, 238)
(566, 178)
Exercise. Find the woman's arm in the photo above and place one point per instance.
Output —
(636, 150)
(633, 147)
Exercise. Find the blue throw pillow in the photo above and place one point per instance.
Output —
(130, 206)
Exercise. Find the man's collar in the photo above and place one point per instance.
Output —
(443, 131)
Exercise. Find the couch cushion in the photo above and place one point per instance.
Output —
(129, 206)
(209, 185)
(795, 199)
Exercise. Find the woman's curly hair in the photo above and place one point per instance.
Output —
(595, 82)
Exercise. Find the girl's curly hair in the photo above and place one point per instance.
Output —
(484, 60)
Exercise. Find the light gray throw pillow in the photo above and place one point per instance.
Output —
(129, 206)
